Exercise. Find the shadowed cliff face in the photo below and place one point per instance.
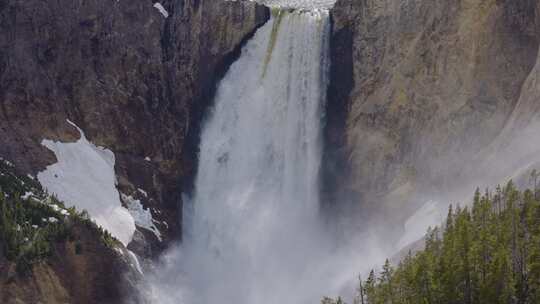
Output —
(433, 84)
(134, 81)
(98, 274)
(52, 255)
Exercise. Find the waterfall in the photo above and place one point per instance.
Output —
(253, 232)
(261, 146)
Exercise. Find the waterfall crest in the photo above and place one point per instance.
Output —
(253, 234)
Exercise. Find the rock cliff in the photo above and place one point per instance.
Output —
(97, 274)
(134, 80)
(419, 88)
(53, 254)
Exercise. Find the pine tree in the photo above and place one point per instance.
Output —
(488, 255)
(370, 288)
(360, 297)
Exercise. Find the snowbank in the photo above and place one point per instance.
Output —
(84, 178)
(161, 9)
(143, 217)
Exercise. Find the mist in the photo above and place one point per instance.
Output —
(253, 228)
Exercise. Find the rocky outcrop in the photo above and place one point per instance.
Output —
(81, 270)
(425, 86)
(50, 254)
(134, 81)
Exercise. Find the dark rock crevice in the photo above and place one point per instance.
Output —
(199, 111)
(334, 160)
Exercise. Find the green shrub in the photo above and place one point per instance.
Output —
(30, 226)
(489, 253)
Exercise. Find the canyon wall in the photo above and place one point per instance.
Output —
(134, 80)
(418, 89)
(82, 271)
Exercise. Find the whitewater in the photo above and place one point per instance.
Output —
(253, 232)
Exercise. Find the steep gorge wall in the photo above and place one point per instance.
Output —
(98, 274)
(134, 81)
(422, 86)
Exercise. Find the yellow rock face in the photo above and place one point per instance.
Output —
(433, 84)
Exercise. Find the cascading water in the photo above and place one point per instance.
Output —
(253, 232)
(260, 151)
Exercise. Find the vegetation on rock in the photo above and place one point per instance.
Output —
(32, 221)
(487, 254)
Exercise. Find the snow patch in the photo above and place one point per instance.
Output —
(7, 162)
(63, 212)
(135, 261)
(142, 217)
(142, 192)
(27, 195)
(84, 178)
(161, 9)
(147, 159)
(119, 250)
